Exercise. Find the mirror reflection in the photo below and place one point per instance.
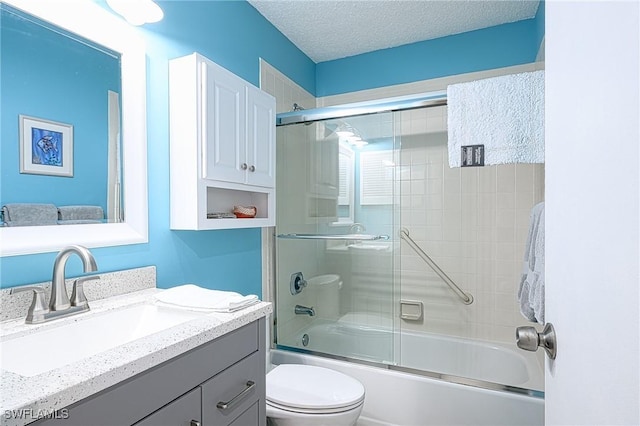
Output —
(60, 120)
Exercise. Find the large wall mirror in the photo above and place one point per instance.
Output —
(79, 72)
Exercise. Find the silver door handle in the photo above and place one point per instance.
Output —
(529, 339)
(252, 168)
(243, 166)
(233, 401)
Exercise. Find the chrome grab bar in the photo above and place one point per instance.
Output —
(354, 237)
(466, 298)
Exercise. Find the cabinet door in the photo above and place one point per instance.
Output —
(261, 137)
(223, 124)
(184, 411)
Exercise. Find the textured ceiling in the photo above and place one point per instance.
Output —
(333, 29)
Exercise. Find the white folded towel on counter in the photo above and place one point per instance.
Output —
(196, 298)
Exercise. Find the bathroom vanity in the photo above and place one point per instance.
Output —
(201, 369)
(217, 383)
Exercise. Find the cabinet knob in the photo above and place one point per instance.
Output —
(243, 166)
(252, 168)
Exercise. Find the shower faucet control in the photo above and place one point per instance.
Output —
(297, 283)
(303, 310)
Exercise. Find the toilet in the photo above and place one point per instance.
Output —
(306, 395)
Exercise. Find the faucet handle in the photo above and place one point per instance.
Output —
(77, 295)
(38, 306)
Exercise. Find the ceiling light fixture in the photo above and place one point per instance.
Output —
(137, 12)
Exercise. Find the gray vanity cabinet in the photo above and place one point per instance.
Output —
(219, 383)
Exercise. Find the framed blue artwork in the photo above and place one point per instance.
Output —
(46, 147)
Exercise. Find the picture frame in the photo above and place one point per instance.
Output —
(46, 147)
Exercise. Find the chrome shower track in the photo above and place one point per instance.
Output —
(423, 100)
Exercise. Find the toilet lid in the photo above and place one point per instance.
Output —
(309, 387)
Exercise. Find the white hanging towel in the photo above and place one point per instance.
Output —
(196, 298)
(505, 114)
(531, 291)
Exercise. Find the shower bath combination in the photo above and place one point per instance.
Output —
(388, 257)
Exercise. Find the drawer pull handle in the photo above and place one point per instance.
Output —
(194, 423)
(225, 405)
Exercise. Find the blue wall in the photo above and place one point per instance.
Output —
(495, 47)
(235, 35)
(48, 76)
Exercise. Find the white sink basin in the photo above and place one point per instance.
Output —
(57, 346)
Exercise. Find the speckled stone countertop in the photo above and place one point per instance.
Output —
(53, 390)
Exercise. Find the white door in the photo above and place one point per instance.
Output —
(592, 211)
(261, 138)
(224, 124)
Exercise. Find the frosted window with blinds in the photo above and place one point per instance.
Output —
(376, 177)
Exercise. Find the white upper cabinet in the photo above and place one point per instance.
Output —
(222, 132)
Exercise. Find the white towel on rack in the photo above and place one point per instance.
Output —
(196, 298)
(505, 114)
(531, 291)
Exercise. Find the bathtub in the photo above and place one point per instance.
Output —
(465, 358)
(476, 383)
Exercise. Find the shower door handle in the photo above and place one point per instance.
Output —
(529, 339)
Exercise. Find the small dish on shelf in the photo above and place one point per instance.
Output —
(243, 212)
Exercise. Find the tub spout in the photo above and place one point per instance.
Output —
(303, 310)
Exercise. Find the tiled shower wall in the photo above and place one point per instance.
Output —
(473, 222)
(283, 89)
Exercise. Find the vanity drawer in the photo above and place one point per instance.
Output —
(184, 411)
(249, 417)
(239, 387)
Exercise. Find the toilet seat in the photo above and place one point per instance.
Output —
(312, 390)
(314, 410)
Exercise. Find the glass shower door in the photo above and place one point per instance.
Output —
(336, 210)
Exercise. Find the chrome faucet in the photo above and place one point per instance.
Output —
(59, 297)
(60, 305)
(303, 310)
